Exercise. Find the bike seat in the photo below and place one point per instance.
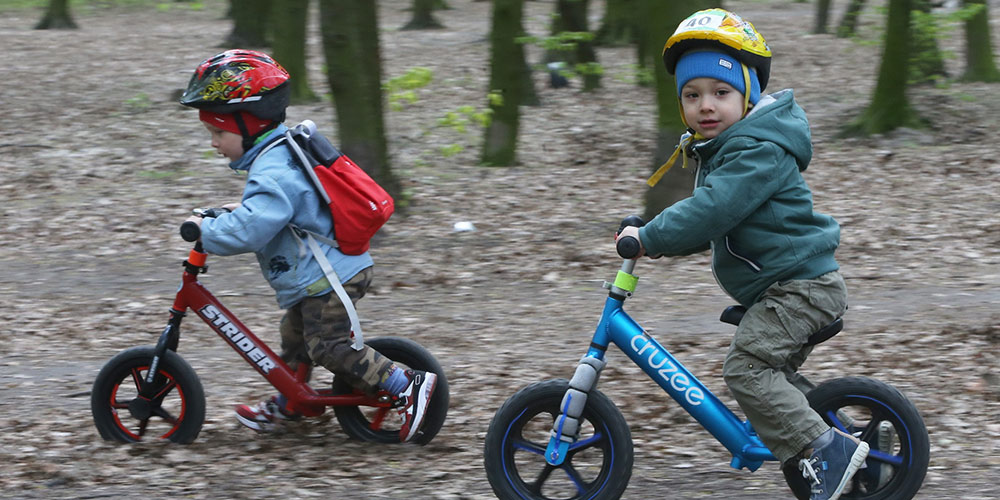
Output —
(734, 314)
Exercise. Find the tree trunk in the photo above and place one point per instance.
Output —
(619, 26)
(354, 72)
(289, 24)
(657, 21)
(890, 108)
(571, 16)
(979, 65)
(507, 88)
(822, 16)
(249, 23)
(423, 16)
(57, 17)
(849, 23)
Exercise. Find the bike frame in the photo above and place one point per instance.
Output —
(293, 384)
(619, 328)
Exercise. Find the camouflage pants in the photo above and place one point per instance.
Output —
(318, 330)
(768, 348)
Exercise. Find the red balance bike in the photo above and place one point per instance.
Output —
(151, 392)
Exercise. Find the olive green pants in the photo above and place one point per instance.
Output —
(761, 368)
(317, 329)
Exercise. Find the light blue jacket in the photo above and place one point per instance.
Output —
(751, 205)
(277, 193)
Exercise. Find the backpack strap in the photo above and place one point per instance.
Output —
(331, 276)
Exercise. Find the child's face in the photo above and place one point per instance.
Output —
(711, 106)
(225, 142)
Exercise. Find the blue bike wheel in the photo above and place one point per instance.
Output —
(597, 466)
(883, 417)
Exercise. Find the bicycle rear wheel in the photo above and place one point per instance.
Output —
(879, 414)
(175, 411)
(597, 466)
(381, 425)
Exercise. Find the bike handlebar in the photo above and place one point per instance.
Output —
(190, 231)
(628, 247)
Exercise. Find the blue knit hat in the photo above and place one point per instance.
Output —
(718, 65)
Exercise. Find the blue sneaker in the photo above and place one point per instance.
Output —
(832, 463)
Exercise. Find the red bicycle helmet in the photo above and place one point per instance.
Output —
(240, 80)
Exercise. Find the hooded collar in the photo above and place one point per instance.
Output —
(244, 162)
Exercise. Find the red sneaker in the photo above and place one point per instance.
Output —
(412, 402)
(265, 417)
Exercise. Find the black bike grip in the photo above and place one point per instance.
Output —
(190, 231)
(631, 220)
(628, 247)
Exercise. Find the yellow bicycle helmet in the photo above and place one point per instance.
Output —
(720, 29)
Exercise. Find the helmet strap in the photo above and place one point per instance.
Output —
(680, 150)
(746, 88)
(244, 131)
(249, 139)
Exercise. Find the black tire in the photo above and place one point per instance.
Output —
(519, 434)
(367, 424)
(176, 413)
(872, 402)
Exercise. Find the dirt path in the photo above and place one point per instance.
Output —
(99, 166)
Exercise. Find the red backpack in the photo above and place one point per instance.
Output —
(358, 205)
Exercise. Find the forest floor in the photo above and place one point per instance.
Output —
(98, 166)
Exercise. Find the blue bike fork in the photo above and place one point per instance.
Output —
(616, 326)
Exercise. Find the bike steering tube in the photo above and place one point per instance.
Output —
(566, 427)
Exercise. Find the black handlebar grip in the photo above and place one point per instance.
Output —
(628, 247)
(631, 220)
(190, 231)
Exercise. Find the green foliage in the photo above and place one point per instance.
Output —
(637, 75)
(402, 89)
(462, 116)
(159, 5)
(451, 150)
(495, 98)
(564, 41)
(139, 103)
(925, 60)
(590, 68)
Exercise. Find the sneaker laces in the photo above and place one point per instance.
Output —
(808, 472)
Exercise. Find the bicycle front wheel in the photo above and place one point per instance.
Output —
(597, 466)
(174, 409)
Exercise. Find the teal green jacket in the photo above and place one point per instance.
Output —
(751, 205)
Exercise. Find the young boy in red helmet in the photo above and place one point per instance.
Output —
(241, 96)
(770, 250)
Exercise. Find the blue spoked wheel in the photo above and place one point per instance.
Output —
(597, 466)
(879, 414)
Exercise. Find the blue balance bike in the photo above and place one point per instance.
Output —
(564, 439)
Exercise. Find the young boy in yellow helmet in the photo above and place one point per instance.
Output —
(770, 250)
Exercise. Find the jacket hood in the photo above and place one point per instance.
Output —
(776, 118)
(244, 162)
